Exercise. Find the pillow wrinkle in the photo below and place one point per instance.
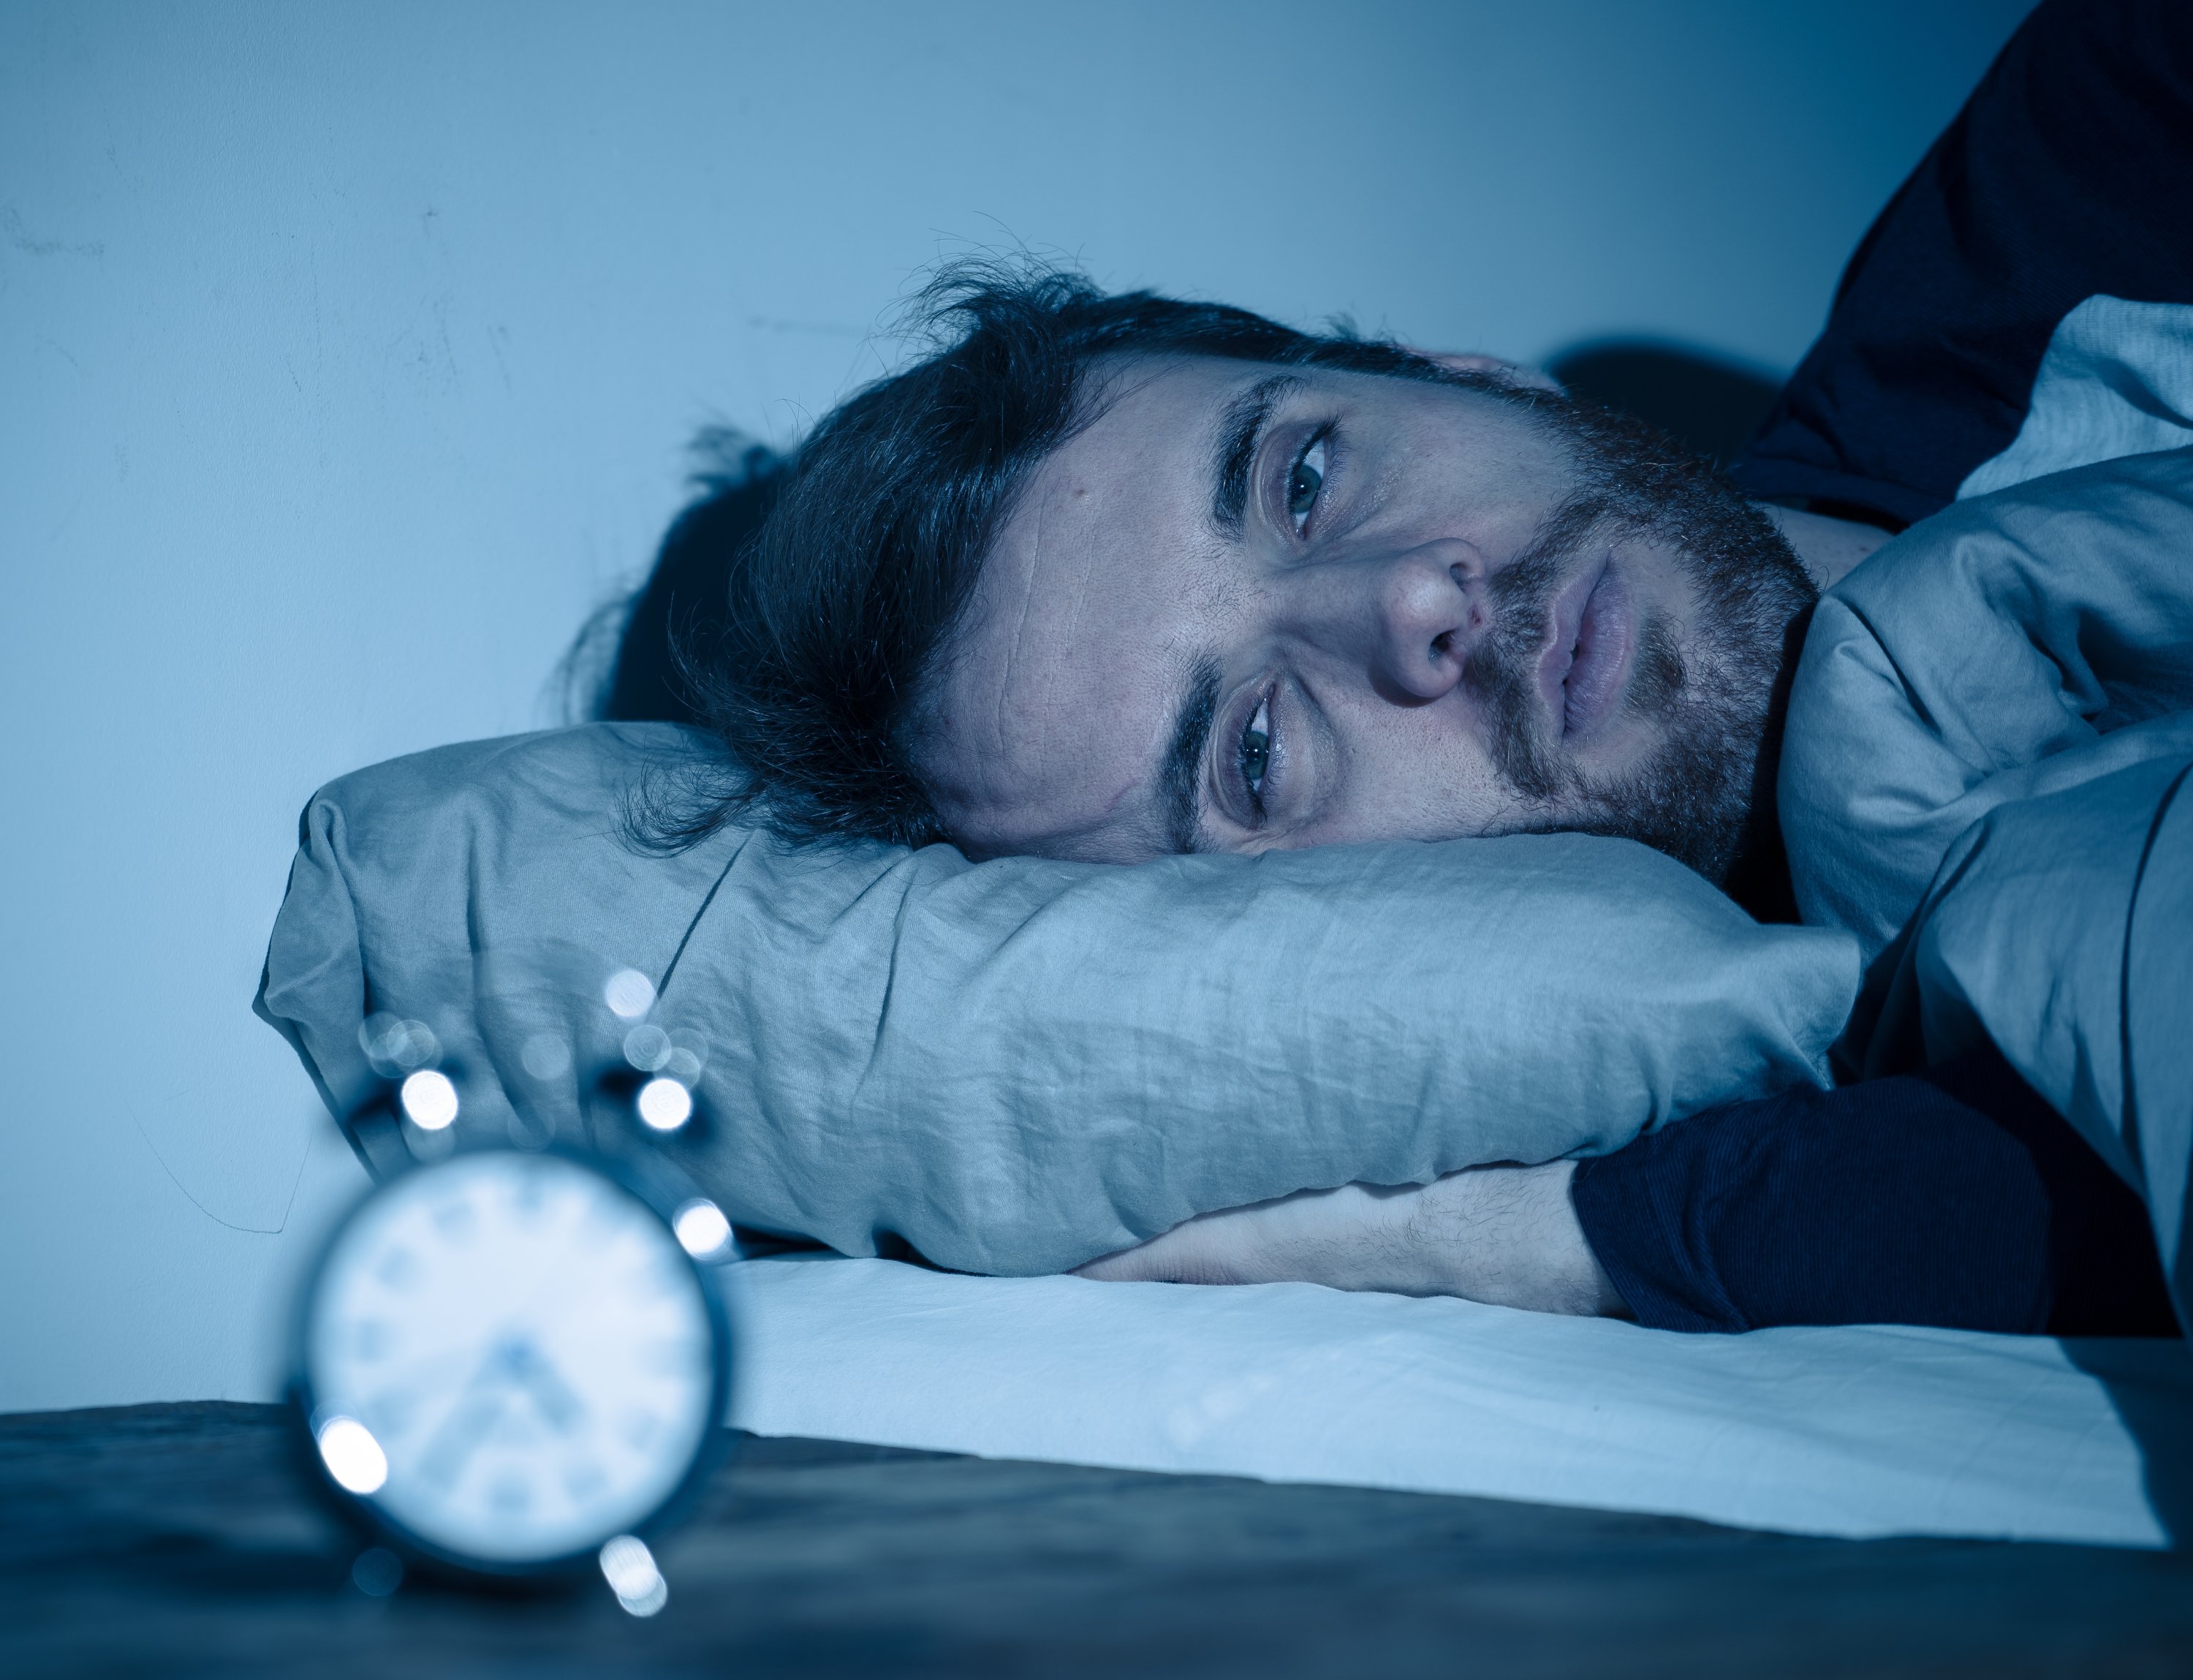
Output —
(1018, 1065)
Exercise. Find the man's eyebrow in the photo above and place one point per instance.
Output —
(1181, 773)
(1240, 424)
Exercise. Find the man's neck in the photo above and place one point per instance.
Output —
(1826, 548)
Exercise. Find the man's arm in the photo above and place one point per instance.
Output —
(1954, 1197)
(1508, 1235)
(2068, 172)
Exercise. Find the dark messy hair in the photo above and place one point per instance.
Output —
(840, 605)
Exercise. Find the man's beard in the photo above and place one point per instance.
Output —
(1714, 702)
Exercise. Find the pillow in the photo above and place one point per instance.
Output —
(1016, 1066)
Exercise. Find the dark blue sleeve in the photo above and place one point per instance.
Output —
(2068, 172)
(1955, 1197)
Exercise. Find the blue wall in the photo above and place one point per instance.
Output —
(346, 355)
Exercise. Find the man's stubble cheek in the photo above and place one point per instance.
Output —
(1499, 672)
(1685, 796)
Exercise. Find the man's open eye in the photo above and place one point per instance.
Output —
(1257, 748)
(1305, 481)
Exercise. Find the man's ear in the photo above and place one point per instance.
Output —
(1476, 361)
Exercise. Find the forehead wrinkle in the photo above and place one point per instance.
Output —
(1081, 590)
(1045, 694)
(1001, 690)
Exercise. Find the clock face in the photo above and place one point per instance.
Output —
(511, 1357)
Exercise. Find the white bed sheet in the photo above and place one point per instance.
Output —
(1848, 1431)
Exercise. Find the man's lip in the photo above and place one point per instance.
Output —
(1560, 652)
(1586, 663)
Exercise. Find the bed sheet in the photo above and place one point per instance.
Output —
(1856, 1432)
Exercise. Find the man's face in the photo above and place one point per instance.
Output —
(1249, 607)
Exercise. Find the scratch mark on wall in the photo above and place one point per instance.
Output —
(274, 1230)
(62, 353)
(52, 533)
(825, 329)
(12, 229)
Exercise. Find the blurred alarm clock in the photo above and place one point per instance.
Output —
(514, 1362)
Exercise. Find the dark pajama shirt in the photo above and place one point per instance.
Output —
(1955, 1197)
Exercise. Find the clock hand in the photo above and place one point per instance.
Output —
(558, 1403)
(459, 1438)
(478, 1410)
(390, 1412)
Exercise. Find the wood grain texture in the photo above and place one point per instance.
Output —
(180, 1540)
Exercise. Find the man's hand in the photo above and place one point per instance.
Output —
(1504, 1234)
(1519, 374)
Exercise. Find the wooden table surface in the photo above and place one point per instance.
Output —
(180, 1540)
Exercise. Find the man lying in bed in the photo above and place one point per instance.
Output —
(1108, 578)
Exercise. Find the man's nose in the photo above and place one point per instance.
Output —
(1428, 610)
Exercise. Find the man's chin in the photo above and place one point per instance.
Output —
(1698, 820)
(1686, 800)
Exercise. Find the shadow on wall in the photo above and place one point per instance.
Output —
(1709, 405)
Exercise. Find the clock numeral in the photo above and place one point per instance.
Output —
(462, 1431)
(583, 1480)
(457, 1221)
(398, 1269)
(639, 1428)
(389, 1413)
(527, 1194)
